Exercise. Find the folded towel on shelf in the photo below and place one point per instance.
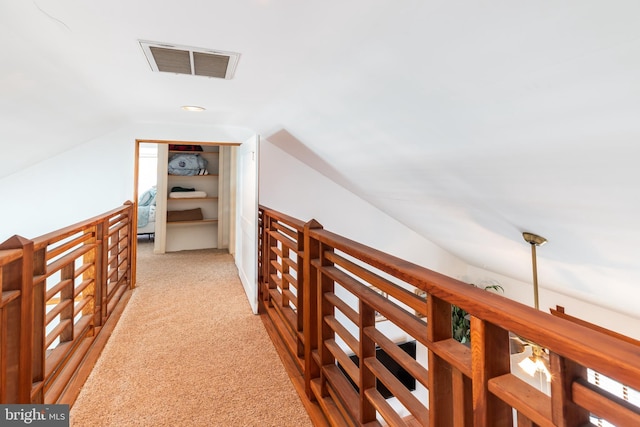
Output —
(187, 194)
(186, 215)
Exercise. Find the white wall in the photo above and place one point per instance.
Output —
(88, 180)
(291, 187)
(288, 185)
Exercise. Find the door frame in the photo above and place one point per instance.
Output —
(136, 171)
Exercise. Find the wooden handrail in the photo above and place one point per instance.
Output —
(573, 340)
(467, 386)
(56, 302)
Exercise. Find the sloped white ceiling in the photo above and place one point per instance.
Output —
(469, 122)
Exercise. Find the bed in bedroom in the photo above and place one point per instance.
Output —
(147, 213)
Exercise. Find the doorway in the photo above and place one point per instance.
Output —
(236, 195)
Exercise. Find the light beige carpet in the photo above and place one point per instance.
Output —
(188, 352)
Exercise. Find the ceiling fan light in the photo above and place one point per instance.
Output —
(536, 363)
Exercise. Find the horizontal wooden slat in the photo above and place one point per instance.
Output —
(284, 240)
(524, 398)
(409, 323)
(284, 331)
(57, 235)
(343, 359)
(81, 304)
(53, 252)
(403, 295)
(57, 288)
(284, 229)
(343, 333)
(380, 404)
(291, 297)
(81, 269)
(51, 314)
(328, 406)
(276, 265)
(8, 296)
(454, 353)
(398, 389)
(7, 256)
(290, 263)
(56, 356)
(276, 251)
(292, 281)
(605, 405)
(57, 386)
(292, 222)
(67, 259)
(286, 313)
(81, 287)
(55, 332)
(346, 395)
(410, 364)
(343, 307)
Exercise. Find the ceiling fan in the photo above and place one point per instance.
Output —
(538, 361)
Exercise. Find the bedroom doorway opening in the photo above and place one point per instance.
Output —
(147, 180)
(227, 211)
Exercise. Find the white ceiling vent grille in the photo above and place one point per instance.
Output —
(190, 60)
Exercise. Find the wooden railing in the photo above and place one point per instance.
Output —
(340, 306)
(60, 295)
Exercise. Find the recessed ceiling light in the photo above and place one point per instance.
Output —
(192, 108)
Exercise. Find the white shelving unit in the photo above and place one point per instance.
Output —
(195, 234)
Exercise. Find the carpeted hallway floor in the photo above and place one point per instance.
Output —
(188, 352)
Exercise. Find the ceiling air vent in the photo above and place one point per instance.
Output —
(190, 60)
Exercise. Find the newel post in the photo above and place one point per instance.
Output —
(310, 305)
(18, 276)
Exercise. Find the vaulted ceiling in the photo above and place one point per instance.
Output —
(469, 122)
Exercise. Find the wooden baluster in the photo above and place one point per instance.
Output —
(564, 412)
(300, 292)
(440, 375)
(367, 349)
(39, 327)
(462, 399)
(269, 268)
(285, 271)
(18, 276)
(130, 238)
(66, 294)
(90, 291)
(490, 358)
(100, 275)
(325, 332)
(310, 304)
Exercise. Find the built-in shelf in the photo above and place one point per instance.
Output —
(194, 234)
(192, 152)
(186, 199)
(193, 176)
(198, 222)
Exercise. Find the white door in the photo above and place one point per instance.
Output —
(246, 250)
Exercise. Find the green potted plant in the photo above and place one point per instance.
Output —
(460, 319)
